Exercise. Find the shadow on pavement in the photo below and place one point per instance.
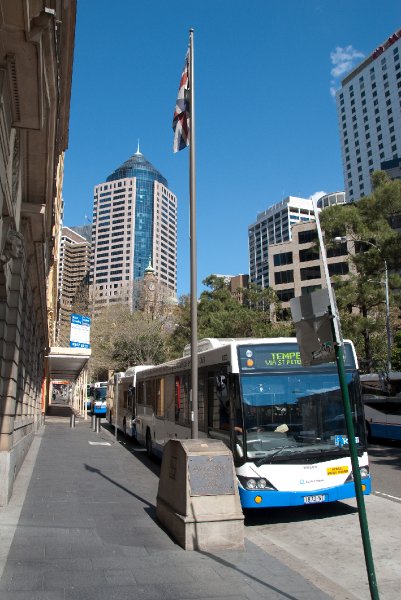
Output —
(386, 452)
(151, 508)
(252, 576)
(132, 446)
(296, 514)
(58, 410)
(254, 517)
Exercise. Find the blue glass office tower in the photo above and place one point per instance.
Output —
(134, 222)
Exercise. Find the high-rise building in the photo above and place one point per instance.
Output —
(134, 223)
(273, 226)
(368, 106)
(74, 262)
(296, 266)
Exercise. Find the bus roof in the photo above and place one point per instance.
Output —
(132, 370)
(210, 343)
(206, 344)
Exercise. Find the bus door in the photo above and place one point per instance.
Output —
(180, 425)
(218, 405)
(158, 394)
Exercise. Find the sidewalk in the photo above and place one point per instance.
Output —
(88, 530)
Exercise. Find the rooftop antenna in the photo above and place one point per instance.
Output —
(137, 151)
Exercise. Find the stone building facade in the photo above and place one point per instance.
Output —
(36, 54)
(296, 266)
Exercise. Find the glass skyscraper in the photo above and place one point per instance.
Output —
(134, 223)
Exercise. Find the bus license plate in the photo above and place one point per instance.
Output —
(314, 499)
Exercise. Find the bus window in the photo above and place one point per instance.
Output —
(182, 408)
(160, 398)
(151, 394)
(218, 402)
(177, 398)
(130, 398)
(140, 389)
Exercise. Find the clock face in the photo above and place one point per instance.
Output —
(151, 286)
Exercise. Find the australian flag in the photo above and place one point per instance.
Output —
(182, 110)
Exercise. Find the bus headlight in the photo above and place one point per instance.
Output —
(255, 483)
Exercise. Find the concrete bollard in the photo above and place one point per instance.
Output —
(93, 422)
(72, 419)
(97, 429)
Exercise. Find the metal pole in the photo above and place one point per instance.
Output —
(115, 400)
(388, 329)
(338, 345)
(192, 190)
(85, 377)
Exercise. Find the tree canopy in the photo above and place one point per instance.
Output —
(121, 338)
(221, 315)
(370, 225)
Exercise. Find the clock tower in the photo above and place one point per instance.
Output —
(149, 289)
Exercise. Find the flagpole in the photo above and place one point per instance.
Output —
(192, 229)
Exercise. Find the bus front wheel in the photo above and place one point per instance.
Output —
(149, 450)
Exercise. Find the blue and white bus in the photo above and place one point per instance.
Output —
(99, 398)
(381, 396)
(283, 422)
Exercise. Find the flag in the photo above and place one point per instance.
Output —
(182, 111)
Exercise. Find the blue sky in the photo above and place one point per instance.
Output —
(266, 121)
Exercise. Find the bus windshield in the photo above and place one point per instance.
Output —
(100, 393)
(293, 412)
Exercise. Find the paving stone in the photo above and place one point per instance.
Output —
(88, 530)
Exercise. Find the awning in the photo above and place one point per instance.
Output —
(67, 363)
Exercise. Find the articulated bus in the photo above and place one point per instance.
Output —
(283, 422)
(381, 396)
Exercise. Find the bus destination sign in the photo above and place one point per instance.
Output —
(260, 358)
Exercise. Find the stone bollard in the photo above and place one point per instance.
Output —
(93, 422)
(72, 420)
(97, 429)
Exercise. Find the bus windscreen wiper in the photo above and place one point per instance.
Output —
(274, 452)
(335, 450)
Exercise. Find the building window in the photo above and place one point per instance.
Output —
(285, 295)
(283, 277)
(285, 258)
(308, 254)
(305, 237)
(337, 250)
(310, 273)
(340, 268)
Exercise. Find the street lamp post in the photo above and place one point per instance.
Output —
(339, 352)
(388, 328)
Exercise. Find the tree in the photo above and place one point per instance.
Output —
(220, 315)
(361, 296)
(396, 358)
(121, 338)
